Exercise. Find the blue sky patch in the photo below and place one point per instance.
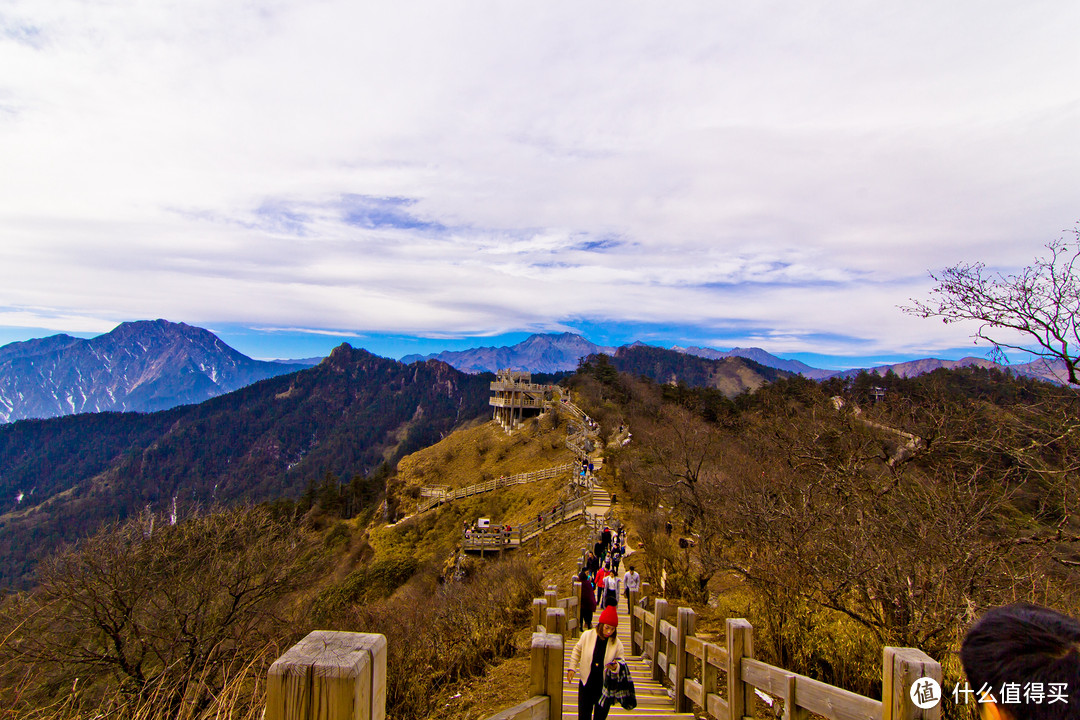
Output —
(277, 216)
(383, 212)
(597, 245)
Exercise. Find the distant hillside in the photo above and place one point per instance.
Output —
(538, 353)
(558, 352)
(912, 368)
(1049, 370)
(62, 478)
(143, 366)
(762, 358)
(730, 375)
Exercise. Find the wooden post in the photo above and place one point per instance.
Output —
(576, 593)
(556, 621)
(792, 711)
(329, 676)
(902, 668)
(740, 644)
(646, 588)
(552, 596)
(658, 639)
(539, 612)
(710, 676)
(546, 677)
(686, 626)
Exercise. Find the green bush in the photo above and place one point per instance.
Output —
(374, 581)
(337, 535)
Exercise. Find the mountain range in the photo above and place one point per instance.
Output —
(560, 352)
(547, 353)
(147, 366)
(142, 366)
(62, 478)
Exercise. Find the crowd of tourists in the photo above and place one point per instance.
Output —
(599, 658)
(599, 575)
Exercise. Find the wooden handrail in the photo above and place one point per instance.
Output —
(670, 648)
(439, 494)
(497, 537)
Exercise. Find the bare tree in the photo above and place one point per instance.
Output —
(1041, 304)
(167, 610)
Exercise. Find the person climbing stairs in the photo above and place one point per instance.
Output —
(653, 700)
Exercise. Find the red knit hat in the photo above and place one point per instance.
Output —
(610, 616)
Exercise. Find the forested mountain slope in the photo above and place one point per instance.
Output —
(730, 375)
(62, 478)
(838, 523)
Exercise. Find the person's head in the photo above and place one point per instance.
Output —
(1024, 644)
(607, 622)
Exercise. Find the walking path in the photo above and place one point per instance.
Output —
(654, 702)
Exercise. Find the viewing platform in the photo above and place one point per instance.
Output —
(515, 397)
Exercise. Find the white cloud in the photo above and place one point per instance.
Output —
(720, 164)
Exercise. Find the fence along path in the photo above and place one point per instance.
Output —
(437, 495)
(498, 538)
(723, 680)
(339, 676)
(576, 440)
(678, 675)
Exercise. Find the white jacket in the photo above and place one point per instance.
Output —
(581, 655)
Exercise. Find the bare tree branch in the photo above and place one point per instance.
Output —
(1040, 303)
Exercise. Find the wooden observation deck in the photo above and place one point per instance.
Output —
(516, 397)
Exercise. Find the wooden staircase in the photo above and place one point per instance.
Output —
(653, 700)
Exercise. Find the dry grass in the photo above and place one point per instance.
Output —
(242, 697)
(484, 452)
(503, 686)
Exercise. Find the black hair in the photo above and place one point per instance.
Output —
(1025, 644)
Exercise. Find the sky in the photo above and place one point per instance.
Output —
(417, 176)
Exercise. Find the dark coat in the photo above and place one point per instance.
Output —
(588, 598)
(618, 687)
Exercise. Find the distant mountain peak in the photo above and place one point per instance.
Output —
(141, 365)
(540, 352)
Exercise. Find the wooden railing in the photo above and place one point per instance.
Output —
(519, 402)
(693, 669)
(437, 495)
(574, 409)
(342, 676)
(498, 538)
(511, 386)
(545, 681)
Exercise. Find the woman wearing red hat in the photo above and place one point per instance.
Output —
(595, 650)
